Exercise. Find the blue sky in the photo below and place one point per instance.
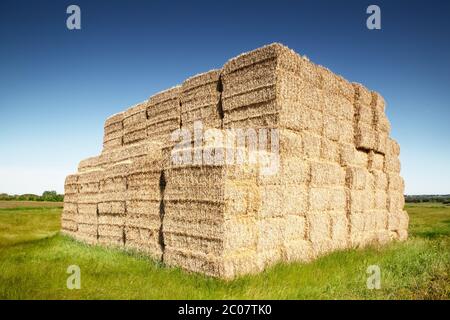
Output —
(58, 86)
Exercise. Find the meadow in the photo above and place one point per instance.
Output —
(34, 259)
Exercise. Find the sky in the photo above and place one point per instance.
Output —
(57, 86)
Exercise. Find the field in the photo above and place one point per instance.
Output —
(34, 259)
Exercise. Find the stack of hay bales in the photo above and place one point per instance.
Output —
(335, 180)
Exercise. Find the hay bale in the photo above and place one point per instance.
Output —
(240, 233)
(380, 199)
(391, 164)
(298, 250)
(311, 145)
(376, 161)
(365, 137)
(296, 94)
(322, 199)
(395, 201)
(308, 119)
(380, 180)
(200, 98)
(338, 106)
(362, 94)
(319, 226)
(361, 200)
(326, 174)
(281, 200)
(356, 178)
(339, 229)
(336, 84)
(330, 150)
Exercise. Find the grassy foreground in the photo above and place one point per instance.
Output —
(34, 259)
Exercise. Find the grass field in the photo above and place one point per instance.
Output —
(34, 259)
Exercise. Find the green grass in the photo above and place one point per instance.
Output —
(34, 259)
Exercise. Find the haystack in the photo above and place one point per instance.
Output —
(315, 170)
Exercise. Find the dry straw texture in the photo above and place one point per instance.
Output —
(337, 185)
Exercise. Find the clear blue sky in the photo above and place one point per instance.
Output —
(58, 86)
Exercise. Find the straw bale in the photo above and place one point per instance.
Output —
(115, 118)
(90, 164)
(380, 218)
(70, 207)
(336, 84)
(380, 199)
(362, 94)
(148, 221)
(294, 228)
(395, 201)
(114, 207)
(69, 225)
(338, 106)
(392, 147)
(241, 263)
(280, 200)
(395, 182)
(134, 116)
(311, 145)
(266, 258)
(306, 119)
(356, 178)
(365, 137)
(252, 77)
(397, 220)
(142, 207)
(292, 171)
(87, 229)
(321, 199)
(376, 161)
(330, 150)
(246, 59)
(194, 227)
(339, 228)
(134, 136)
(298, 250)
(270, 233)
(381, 122)
(361, 200)
(110, 241)
(113, 128)
(112, 144)
(380, 180)
(116, 220)
(86, 238)
(193, 210)
(194, 243)
(193, 261)
(391, 164)
(361, 158)
(319, 226)
(380, 142)
(296, 94)
(326, 174)
(110, 230)
(378, 101)
(364, 114)
(164, 105)
(240, 233)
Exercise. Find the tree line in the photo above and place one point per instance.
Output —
(52, 196)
